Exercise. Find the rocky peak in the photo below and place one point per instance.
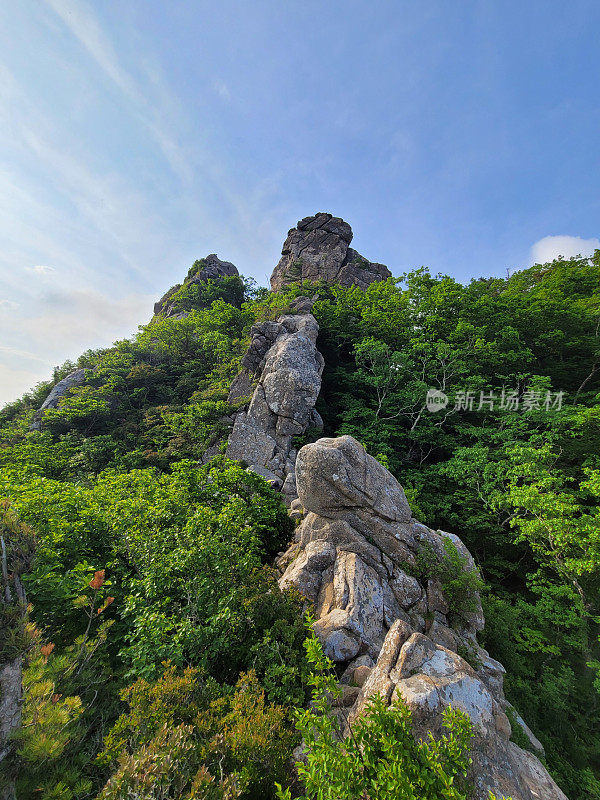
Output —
(318, 248)
(209, 268)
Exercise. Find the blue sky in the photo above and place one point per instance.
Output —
(137, 136)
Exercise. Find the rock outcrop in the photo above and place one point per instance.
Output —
(283, 357)
(11, 703)
(209, 268)
(318, 248)
(373, 574)
(62, 388)
(376, 576)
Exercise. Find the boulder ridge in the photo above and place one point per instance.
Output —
(372, 573)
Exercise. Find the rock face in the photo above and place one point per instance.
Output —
(211, 268)
(62, 388)
(358, 557)
(11, 702)
(318, 248)
(284, 358)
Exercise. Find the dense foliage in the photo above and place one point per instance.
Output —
(152, 570)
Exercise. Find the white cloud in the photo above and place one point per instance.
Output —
(222, 89)
(551, 247)
(40, 269)
(8, 305)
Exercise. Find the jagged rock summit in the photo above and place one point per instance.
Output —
(375, 576)
(318, 248)
(209, 268)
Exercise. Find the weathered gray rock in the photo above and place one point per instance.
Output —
(396, 633)
(358, 508)
(406, 589)
(379, 680)
(337, 476)
(284, 356)
(306, 569)
(63, 387)
(429, 678)
(213, 269)
(360, 662)
(318, 249)
(352, 610)
(360, 675)
(241, 389)
(263, 336)
(11, 695)
(11, 701)
(72, 380)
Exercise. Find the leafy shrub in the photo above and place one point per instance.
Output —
(461, 583)
(382, 757)
(182, 738)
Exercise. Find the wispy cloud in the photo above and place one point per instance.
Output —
(15, 351)
(90, 218)
(151, 108)
(82, 23)
(183, 144)
(40, 269)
